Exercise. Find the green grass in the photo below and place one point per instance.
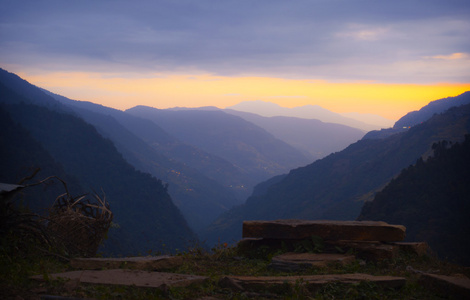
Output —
(20, 260)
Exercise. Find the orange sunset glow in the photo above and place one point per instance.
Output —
(388, 100)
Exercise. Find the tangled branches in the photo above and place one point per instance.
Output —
(80, 225)
(75, 226)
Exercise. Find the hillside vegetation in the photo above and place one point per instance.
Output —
(336, 186)
(431, 198)
(52, 139)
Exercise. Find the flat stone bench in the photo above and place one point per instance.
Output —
(327, 230)
(154, 263)
(312, 282)
(138, 278)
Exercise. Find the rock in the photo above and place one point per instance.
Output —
(230, 283)
(129, 277)
(454, 287)
(141, 263)
(296, 261)
(368, 250)
(312, 282)
(417, 248)
(327, 230)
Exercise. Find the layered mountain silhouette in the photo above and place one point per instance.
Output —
(434, 107)
(268, 109)
(314, 137)
(207, 171)
(336, 186)
(419, 116)
(198, 181)
(57, 141)
(208, 159)
(252, 150)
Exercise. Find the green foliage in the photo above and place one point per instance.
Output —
(313, 245)
(431, 199)
(217, 263)
(95, 163)
(331, 188)
(23, 253)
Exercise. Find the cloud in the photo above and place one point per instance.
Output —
(453, 56)
(339, 40)
(363, 32)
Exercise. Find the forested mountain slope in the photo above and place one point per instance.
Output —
(336, 186)
(313, 137)
(419, 116)
(146, 215)
(255, 152)
(150, 149)
(431, 198)
(434, 107)
(20, 156)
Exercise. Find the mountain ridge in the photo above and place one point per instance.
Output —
(96, 163)
(269, 109)
(430, 198)
(336, 186)
(200, 198)
(250, 148)
(314, 137)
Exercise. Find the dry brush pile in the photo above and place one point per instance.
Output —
(75, 226)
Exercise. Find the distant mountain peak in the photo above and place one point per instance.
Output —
(176, 108)
(311, 111)
(260, 107)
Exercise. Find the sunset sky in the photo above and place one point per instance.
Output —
(381, 57)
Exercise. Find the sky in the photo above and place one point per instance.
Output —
(367, 56)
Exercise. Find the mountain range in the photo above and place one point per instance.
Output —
(336, 186)
(186, 169)
(170, 173)
(315, 138)
(208, 158)
(249, 148)
(48, 136)
(355, 120)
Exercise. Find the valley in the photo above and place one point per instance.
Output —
(181, 175)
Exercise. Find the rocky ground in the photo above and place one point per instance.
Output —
(257, 268)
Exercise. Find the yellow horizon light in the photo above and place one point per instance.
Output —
(164, 91)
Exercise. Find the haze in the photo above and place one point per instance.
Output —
(385, 58)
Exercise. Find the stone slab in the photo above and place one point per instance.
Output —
(368, 250)
(417, 248)
(454, 287)
(297, 261)
(326, 229)
(137, 278)
(141, 263)
(312, 282)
